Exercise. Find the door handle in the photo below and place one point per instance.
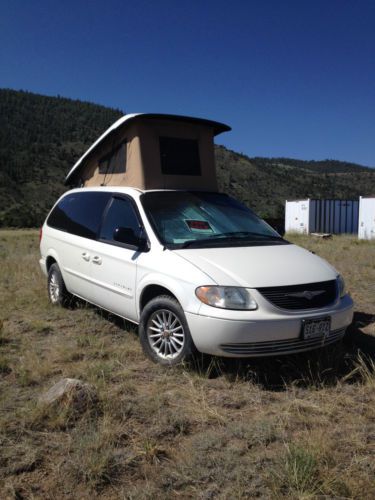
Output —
(86, 256)
(97, 260)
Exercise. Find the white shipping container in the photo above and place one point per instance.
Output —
(366, 227)
(322, 216)
(297, 216)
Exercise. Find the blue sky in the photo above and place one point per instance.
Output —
(292, 78)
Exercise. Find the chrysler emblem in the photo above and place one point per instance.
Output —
(307, 294)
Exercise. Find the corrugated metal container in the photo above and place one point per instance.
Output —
(366, 229)
(322, 216)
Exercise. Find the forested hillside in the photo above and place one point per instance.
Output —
(42, 137)
(265, 183)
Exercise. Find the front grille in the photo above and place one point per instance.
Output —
(274, 347)
(301, 296)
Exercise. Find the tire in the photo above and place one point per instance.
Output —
(164, 333)
(57, 292)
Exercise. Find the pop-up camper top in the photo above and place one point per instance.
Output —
(151, 151)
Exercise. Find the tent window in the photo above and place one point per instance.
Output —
(179, 156)
(114, 162)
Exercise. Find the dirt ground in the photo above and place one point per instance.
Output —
(289, 427)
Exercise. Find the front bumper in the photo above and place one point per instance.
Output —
(264, 332)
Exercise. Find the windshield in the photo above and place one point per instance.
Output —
(183, 219)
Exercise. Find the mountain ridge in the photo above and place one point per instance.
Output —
(41, 137)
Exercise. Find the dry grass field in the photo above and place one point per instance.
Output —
(293, 427)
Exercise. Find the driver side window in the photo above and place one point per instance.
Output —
(121, 213)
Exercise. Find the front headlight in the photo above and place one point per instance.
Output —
(226, 297)
(341, 286)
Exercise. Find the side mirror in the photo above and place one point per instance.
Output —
(127, 236)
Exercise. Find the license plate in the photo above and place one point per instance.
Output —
(313, 328)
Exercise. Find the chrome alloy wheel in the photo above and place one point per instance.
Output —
(165, 334)
(54, 288)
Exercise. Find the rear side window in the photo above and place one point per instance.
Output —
(79, 213)
(121, 213)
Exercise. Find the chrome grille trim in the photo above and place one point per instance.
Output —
(299, 297)
(281, 346)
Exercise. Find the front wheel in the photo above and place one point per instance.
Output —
(164, 333)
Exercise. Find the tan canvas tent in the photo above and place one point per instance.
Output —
(151, 151)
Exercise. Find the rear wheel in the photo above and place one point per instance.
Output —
(164, 333)
(57, 292)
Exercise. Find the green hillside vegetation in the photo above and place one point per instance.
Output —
(40, 140)
(265, 183)
(42, 137)
(331, 167)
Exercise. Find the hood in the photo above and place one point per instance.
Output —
(260, 266)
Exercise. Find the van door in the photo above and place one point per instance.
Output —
(114, 265)
(75, 221)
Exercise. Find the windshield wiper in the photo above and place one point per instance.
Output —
(190, 243)
(234, 236)
(245, 234)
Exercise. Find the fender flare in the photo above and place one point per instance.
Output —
(178, 289)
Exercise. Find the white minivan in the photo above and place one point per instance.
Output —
(196, 270)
